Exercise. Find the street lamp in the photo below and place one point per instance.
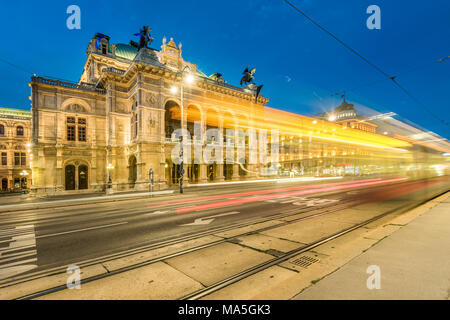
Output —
(109, 167)
(150, 178)
(181, 164)
(189, 79)
(24, 174)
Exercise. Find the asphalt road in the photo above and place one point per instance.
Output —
(35, 240)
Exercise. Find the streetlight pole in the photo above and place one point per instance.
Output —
(190, 79)
(24, 183)
(109, 186)
(150, 175)
(181, 164)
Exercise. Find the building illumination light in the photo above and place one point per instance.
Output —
(315, 121)
(173, 90)
(189, 78)
(110, 166)
(332, 118)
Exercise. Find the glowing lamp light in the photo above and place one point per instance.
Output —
(189, 78)
(24, 173)
(315, 121)
(110, 166)
(332, 118)
(173, 89)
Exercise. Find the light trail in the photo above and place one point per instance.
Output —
(251, 193)
(281, 195)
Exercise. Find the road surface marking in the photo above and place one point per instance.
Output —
(156, 213)
(79, 230)
(208, 220)
(21, 244)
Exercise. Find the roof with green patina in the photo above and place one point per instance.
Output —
(10, 112)
(126, 51)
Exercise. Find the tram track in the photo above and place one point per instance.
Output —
(277, 260)
(320, 211)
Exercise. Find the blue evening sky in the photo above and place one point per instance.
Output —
(299, 65)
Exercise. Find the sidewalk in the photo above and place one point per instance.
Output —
(39, 203)
(414, 263)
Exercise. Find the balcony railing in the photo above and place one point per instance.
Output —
(115, 70)
(71, 85)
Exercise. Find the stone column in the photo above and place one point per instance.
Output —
(235, 172)
(203, 177)
(220, 176)
(251, 168)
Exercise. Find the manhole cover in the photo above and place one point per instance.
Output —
(304, 261)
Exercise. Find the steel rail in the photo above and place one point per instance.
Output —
(167, 242)
(348, 203)
(258, 268)
(182, 252)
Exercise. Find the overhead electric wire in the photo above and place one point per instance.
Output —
(368, 62)
(422, 66)
(16, 66)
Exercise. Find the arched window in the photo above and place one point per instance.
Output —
(19, 131)
(2, 130)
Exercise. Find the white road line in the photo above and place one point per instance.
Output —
(155, 213)
(18, 256)
(16, 248)
(20, 238)
(17, 263)
(79, 230)
(19, 253)
(208, 220)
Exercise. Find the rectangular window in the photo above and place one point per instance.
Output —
(81, 133)
(23, 159)
(4, 159)
(71, 133)
(16, 158)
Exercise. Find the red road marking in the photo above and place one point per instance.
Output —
(280, 195)
(251, 193)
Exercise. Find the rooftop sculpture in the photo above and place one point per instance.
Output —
(248, 80)
(145, 38)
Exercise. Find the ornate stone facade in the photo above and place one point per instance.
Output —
(15, 149)
(124, 110)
